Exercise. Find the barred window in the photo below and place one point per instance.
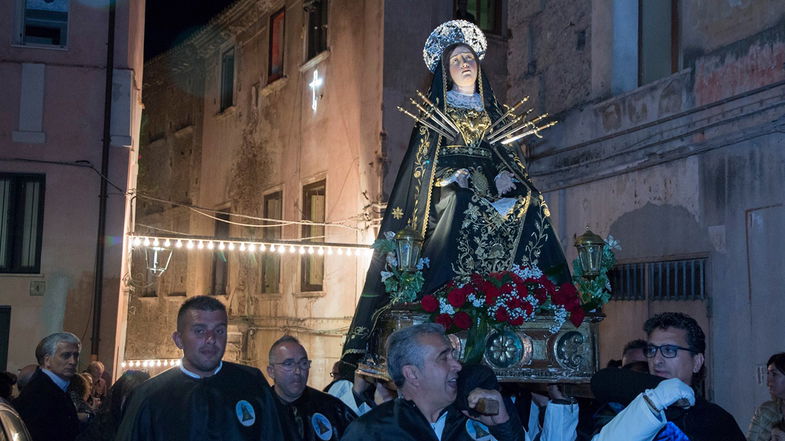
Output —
(663, 280)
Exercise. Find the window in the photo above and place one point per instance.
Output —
(220, 270)
(21, 222)
(44, 22)
(484, 13)
(658, 39)
(277, 39)
(227, 79)
(271, 262)
(313, 210)
(664, 280)
(317, 27)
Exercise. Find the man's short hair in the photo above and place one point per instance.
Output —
(696, 339)
(778, 360)
(198, 303)
(404, 348)
(48, 346)
(284, 339)
(96, 365)
(634, 344)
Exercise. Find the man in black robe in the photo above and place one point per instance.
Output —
(421, 363)
(44, 404)
(306, 413)
(204, 398)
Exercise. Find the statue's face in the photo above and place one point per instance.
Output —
(463, 69)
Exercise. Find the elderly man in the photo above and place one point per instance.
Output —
(675, 350)
(421, 362)
(44, 404)
(204, 398)
(306, 413)
(99, 387)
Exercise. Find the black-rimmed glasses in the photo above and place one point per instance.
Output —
(289, 365)
(667, 351)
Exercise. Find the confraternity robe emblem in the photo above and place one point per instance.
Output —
(245, 413)
(478, 431)
(321, 426)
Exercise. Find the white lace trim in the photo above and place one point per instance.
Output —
(457, 99)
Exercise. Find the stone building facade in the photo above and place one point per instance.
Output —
(56, 129)
(671, 141)
(670, 124)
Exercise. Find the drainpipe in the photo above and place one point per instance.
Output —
(100, 244)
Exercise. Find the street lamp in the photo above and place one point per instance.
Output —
(157, 259)
(589, 247)
(409, 244)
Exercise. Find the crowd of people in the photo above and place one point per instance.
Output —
(430, 395)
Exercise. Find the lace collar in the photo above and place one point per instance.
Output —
(457, 99)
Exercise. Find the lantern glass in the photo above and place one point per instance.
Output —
(409, 245)
(157, 259)
(589, 247)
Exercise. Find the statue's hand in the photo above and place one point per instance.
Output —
(462, 178)
(504, 182)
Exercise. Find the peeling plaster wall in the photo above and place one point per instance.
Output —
(270, 139)
(690, 165)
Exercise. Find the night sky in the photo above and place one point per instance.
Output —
(168, 22)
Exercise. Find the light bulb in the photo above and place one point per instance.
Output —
(251, 248)
(242, 247)
(210, 245)
(221, 246)
(190, 245)
(302, 250)
(321, 251)
(178, 244)
(146, 241)
(291, 249)
(201, 245)
(231, 246)
(167, 243)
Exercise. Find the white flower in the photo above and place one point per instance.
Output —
(386, 275)
(423, 262)
(612, 243)
(392, 260)
(445, 307)
(389, 235)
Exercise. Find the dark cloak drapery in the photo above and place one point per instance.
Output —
(447, 215)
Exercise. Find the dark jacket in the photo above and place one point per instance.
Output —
(315, 416)
(47, 410)
(401, 420)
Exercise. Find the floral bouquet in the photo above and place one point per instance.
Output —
(596, 292)
(402, 286)
(506, 298)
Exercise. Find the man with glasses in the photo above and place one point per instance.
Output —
(204, 398)
(306, 413)
(674, 350)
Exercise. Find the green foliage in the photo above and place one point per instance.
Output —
(596, 292)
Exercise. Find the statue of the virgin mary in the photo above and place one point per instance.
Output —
(470, 199)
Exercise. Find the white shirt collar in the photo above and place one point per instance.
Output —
(197, 376)
(438, 426)
(62, 384)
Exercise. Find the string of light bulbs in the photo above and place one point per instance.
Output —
(249, 246)
(162, 363)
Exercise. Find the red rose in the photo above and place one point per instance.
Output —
(457, 297)
(429, 303)
(517, 321)
(502, 315)
(491, 293)
(444, 320)
(462, 320)
(576, 316)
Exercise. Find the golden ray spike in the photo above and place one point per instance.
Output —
(510, 111)
(517, 119)
(425, 123)
(430, 116)
(530, 123)
(439, 112)
(535, 132)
